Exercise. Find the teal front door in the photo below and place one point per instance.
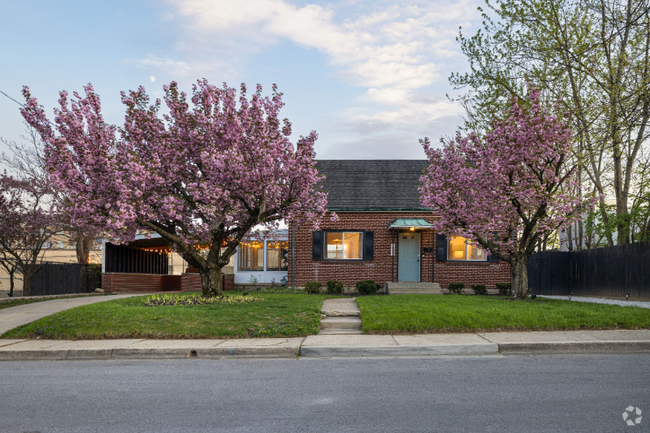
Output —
(408, 256)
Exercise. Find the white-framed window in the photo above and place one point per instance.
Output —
(460, 249)
(276, 255)
(343, 245)
(251, 256)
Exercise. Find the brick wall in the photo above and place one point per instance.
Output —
(119, 282)
(474, 273)
(383, 268)
(191, 282)
(228, 283)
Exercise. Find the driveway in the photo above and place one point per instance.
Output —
(13, 317)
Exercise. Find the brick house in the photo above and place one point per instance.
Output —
(383, 233)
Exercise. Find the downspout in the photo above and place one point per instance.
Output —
(293, 257)
(432, 261)
(393, 248)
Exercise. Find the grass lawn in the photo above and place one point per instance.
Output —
(422, 314)
(276, 315)
(15, 302)
(18, 301)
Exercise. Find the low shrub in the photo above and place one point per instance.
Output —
(313, 287)
(456, 288)
(504, 289)
(479, 289)
(334, 287)
(367, 287)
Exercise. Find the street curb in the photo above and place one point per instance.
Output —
(379, 351)
(295, 350)
(575, 347)
(33, 355)
(148, 353)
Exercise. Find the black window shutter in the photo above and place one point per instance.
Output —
(441, 247)
(317, 246)
(368, 246)
(492, 257)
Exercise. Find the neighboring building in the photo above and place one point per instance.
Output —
(59, 249)
(573, 233)
(262, 262)
(383, 233)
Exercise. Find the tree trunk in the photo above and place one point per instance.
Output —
(519, 276)
(581, 236)
(83, 248)
(27, 284)
(12, 282)
(211, 281)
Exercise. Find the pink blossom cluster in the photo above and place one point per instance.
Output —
(505, 190)
(209, 170)
(28, 216)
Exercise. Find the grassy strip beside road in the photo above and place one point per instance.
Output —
(427, 314)
(13, 302)
(275, 315)
(16, 302)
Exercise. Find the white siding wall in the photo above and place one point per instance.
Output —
(263, 277)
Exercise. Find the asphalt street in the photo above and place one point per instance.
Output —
(563, 393)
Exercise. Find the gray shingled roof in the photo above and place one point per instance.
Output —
(372, 184)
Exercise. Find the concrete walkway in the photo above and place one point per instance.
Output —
(333, 346)
(341, 316)
(622, 303)
(13, 317)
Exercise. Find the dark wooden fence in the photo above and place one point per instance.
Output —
(607, 272)
(119, 258)
(62, 278)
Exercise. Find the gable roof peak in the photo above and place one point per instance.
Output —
(374, 184)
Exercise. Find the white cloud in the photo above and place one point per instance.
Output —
(398, 52)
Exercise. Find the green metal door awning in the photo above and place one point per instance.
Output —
(407, 223)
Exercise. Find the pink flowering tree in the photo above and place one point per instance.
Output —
(508, 189)
(201, 175)
(28, 219)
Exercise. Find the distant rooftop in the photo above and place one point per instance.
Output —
(372, 184)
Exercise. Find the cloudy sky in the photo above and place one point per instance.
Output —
(369, 76)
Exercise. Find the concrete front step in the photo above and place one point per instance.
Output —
(413, 288)
(340, 307)
(341, 323)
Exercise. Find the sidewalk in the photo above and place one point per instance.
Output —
(334, 346)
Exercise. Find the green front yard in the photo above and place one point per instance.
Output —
(291, 315)
(275, 315)
(422, 314)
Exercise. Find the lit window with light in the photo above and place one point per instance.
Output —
(460, 249)
(343, 245)
(251, 256)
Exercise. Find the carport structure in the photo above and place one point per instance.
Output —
(143, 266)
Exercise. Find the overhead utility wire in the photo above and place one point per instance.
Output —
(22, 105)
